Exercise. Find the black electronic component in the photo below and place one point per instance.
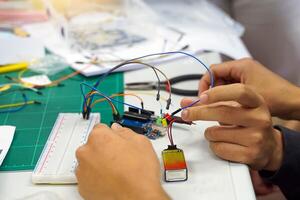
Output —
(135, 110)
(136, 116)
(147, 112)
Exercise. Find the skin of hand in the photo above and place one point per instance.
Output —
(247, 135)
(282, 97)
(117, 163)
(260, 186)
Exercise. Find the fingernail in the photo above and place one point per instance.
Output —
(187, 99)
(184, 114)
(203, 98)
(116, 126)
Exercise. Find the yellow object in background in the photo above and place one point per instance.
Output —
(20, 32)
(164, 122)
(13, 67)
(17, 104)
(37, 4)
(5, 87)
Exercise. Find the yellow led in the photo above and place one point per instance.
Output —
(164, 122)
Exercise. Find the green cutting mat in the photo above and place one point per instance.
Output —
(35, 122)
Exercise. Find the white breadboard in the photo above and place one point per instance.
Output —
(57, 162)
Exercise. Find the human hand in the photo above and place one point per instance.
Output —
(248, 136)
(281, 96)
(260, 186)
(117, 163)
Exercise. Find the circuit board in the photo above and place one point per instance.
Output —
(144, 122)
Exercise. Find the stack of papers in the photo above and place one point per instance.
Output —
(202, 28)
(6, 137)
(16, 49)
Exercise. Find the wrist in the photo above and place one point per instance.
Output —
(291, 104)
(295, 105)
(149, 193)
(159, 194)
(277, 155)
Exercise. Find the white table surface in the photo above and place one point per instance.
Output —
(210, 178)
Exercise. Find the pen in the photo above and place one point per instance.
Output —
(13, 67)
(15, 30)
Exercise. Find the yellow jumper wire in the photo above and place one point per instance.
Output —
(17, 104)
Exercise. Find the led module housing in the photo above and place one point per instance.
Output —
(174, 164)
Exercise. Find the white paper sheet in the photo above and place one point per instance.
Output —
(6, 137)
(205, 26)
(14, 49)
(37, 80)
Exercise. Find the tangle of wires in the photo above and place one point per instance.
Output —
(15, 88)
(18, 106)
(88, 98)
(20, 85)
(169, 131)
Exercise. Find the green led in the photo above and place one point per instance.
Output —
(158, 121)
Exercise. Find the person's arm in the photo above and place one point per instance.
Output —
(118, 164)
(287, 177)
(282, 97)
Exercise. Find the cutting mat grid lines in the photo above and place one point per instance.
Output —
(35, 122)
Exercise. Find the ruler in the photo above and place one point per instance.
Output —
(57, 162)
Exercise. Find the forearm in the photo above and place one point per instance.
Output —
(294, 102)
(157, 194)
(147, 192)
(287, 104)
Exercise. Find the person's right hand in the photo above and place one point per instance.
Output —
(281, 96)
(117, 163)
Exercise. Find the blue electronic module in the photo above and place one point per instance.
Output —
(143, 122)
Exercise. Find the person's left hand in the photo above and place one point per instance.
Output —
(118, 164)
(248, 136)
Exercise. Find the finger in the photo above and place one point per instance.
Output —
(100, 126)
(123, 132)
(231, 70)
(220, 82)
(238, 116)
(234, 92)
(204, 83)
(231, 152)
(223, 124)
(101, 134)
(80, 153)
(234, 135)
(188, 101)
